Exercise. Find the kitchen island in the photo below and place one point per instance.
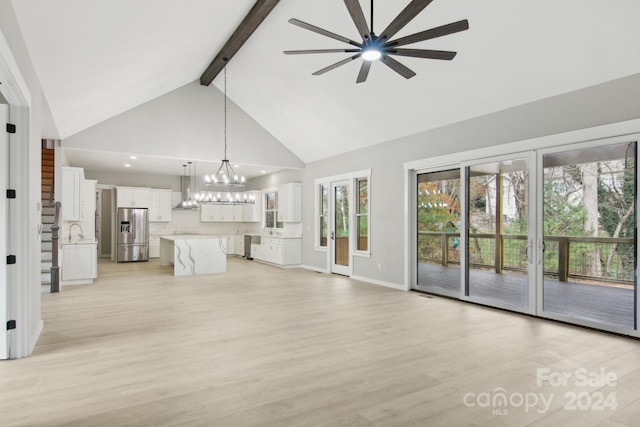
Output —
(193, 254)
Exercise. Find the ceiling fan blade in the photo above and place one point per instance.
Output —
(358, 17)
(397, 67)
(445, 30)
(336, 65)
(364, 72)
(320, 31)
(409, 12)
(302, 52)
(422, 53)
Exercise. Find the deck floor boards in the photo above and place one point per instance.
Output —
(611, 305)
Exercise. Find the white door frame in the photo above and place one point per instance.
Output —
(4, 296)
(23, 278)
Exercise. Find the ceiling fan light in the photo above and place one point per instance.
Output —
(371, 54)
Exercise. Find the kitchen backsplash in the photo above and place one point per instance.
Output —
(187, 221)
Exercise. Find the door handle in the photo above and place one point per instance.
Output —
(333, 236)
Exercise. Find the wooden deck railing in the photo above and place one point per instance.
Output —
(589, 258)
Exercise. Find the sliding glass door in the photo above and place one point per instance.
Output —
(438, 237)
(552, 233)
(589, 213)
(499, 236)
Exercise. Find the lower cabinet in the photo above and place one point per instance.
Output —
(231, 244)
(240, 244)
(79, 262)
(278, 251)
(154, 247)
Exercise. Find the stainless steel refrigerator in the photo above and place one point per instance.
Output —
(132, 227)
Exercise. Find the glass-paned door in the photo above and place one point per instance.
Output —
(438, 239)
(340, 228)
(498, 249)
(589, 239)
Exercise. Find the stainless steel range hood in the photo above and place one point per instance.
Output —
(185, 193)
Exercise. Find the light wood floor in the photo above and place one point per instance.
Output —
(262, 346)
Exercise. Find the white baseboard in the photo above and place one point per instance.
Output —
(313, 268)
(35, 336)
(359, 278)
(379, 283)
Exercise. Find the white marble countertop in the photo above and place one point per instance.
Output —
(175, 237)
(79, 242)
(193, 254)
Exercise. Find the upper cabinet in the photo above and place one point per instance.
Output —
(132, 197)
(252, 212)
(241, 212)
(159, 205)
(72, 193)
(290, 202)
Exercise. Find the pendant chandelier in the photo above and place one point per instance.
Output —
(193, 199)
(225, 177)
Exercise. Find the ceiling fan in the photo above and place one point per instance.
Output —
(381, 47)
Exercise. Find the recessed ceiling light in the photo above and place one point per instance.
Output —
(263, 171)
(133, 157)
(127, 165)
(237, 166)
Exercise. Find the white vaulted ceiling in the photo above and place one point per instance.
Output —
(97, 59)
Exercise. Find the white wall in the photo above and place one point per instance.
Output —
(607, 103)
(187, 123)
(169, 182)
(275, 179)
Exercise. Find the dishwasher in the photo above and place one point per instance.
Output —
(248, 240)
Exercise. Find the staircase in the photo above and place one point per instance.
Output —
(48, 210)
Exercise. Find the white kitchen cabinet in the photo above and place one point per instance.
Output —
(79, 262)
(290, 202)
(226, 213)
(154, 246)
(239, 244)
(210, 213)
(252, 212)
(238, 211)
(72, 193)
(279, 251)
(271, 250)
(159, 205)
(220, 213)
(231, 244)
(256, 251)
(291, 251)
(132, 197)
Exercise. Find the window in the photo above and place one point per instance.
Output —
(362, 215)
(323, 213)
(359, 234)
(271, 210)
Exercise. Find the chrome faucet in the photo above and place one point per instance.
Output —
(79, 234)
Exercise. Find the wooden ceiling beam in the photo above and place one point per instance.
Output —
(249, 24)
